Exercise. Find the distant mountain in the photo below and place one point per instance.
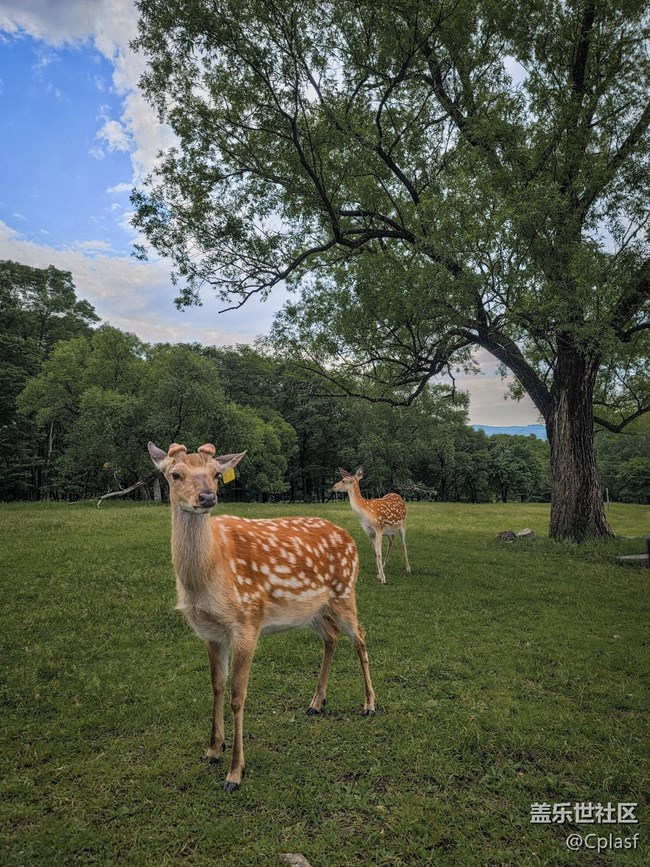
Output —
(537, 430)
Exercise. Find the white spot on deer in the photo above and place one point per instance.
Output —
(282, 594)
(285, 582)
(314, 591)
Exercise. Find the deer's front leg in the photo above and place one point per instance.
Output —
(218, 656)
(242, 657)
(377, 542)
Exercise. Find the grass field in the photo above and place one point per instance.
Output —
(506, 675)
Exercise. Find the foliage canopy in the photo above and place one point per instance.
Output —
(436, 177)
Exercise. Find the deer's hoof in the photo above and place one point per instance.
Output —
(230, 787)
(368, 712)
(312, 711)
(212, 756)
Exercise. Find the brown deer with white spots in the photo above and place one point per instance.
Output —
(237, 579)
(385, 516)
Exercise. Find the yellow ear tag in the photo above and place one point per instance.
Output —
(228, 475)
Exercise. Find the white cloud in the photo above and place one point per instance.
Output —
(120, 188)
(489, 401)
(515, 70)
(110, 25)
(44, 58)
(138, 296)
(58, 95)
(114, 135)
(92, 245)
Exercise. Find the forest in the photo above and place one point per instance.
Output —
(81, 399)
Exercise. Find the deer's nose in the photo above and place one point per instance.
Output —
(207, 499)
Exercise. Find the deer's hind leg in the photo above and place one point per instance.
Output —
(345, 613)
(391, 539)
(325, 626)
(402, 535)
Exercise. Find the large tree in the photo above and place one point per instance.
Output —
(437, 177)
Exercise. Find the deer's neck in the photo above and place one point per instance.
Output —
(357, 500)
(192, 548)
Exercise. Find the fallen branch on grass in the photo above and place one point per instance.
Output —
(139, 484)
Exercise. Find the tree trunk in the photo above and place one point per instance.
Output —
(45, 477)
(577, 508)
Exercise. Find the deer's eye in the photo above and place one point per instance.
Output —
(176, 476)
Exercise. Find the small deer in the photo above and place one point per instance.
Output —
(238, 578)
(385, 516)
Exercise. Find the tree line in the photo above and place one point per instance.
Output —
(81, 400)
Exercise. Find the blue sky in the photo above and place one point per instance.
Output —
(75, 137)
(60, 177)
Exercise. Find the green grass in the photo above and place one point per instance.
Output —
(505, 675)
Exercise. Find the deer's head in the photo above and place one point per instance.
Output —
(193, 479)
(348, 479)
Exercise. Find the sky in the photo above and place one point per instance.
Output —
(76, 136)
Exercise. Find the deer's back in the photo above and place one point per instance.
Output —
(287, 559)
(388, 511)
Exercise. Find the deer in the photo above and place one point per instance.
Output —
(385, 516)
(239, 578)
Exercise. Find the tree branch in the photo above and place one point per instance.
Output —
(617, 428)
(139, 484)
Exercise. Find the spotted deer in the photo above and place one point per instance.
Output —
(385, 516)
(237, 579)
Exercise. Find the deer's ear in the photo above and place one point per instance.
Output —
(359, 473)
(158, 456)
(344, 473)
(225, 462)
